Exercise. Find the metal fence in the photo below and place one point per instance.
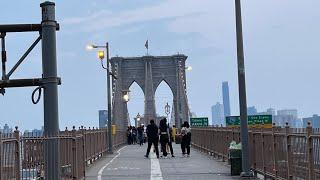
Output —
(22, 157)
(277, 153)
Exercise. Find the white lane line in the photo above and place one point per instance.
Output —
(155, 167)
(106, 165)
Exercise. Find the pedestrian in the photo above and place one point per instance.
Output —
(129, 135)
(144, 133)
(140, 135)
(171, 139)
(164, 136)
(186, 138)
(153, 138)
(134, 135)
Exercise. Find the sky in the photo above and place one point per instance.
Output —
(281, 45)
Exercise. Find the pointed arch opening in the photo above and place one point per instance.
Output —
(136, 103)
(164, 96)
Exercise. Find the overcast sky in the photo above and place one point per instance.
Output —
(281, 41)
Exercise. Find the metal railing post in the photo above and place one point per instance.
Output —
(288, 150)
(1, 158)
(17, 152)
(49, 68)
(310, 152)
(263, 160)
(74, 153)
(274, 145)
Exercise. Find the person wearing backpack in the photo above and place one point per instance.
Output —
(186, 138)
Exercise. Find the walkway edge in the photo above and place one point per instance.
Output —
(106, 165)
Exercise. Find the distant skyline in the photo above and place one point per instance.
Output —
(281, 44)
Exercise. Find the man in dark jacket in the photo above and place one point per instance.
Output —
(153, 138)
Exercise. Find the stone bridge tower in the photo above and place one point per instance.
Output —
(148, 72)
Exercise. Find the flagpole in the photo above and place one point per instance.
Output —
(147, 46)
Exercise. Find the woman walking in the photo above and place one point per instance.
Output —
(186, 138)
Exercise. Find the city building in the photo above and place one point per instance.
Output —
(34, 132)
(218, 114)
(271, 111)
(314, 120)
(252, 110)
(226, 98)
(289, 116)
(193, 115)
(6, 129)
(103, 118)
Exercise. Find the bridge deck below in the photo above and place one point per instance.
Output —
(128, 163)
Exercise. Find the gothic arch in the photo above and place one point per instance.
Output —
(148, 72)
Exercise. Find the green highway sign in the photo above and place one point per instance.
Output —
(253, 121)
(199, 122)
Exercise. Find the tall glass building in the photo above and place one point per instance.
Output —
(226, 99)
(103, 117)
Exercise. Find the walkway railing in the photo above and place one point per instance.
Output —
(280, 153)
(22, 157)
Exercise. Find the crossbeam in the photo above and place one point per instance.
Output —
(22, 28)
(25, 82)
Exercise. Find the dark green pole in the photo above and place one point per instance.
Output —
(50, 100)
(242, 95)
(110, 149)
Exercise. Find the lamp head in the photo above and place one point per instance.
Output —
(90, 47)
(188, 68)
(101, 54)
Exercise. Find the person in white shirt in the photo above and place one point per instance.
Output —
(186, 138)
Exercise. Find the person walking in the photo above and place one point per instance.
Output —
(186, 138)
(164, 136)
(134, 135)
(169, 130)
(129, 135)
(140, 135)
(153, 138)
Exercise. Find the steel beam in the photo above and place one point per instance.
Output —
(22, 27)
(26, 82)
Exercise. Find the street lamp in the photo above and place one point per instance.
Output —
(138, 118)
(101, 56)
(167, 109)
(126, 96)
(242, 95)
(188, 68)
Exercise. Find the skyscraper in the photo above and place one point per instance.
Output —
(252, 110)
(217, 114)
(103, 117)
(314, 120)
(226, 99)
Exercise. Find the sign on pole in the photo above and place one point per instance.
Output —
(254, 121)
(199, 122)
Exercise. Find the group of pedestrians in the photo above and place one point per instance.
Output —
(136, 135)
(165, 135)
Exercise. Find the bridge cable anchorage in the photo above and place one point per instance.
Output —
(39, 88)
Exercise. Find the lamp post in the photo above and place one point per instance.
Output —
(242, 95)
(138, 118)
(126, 96)
(188, 68)
(102, 56)
(167, 109)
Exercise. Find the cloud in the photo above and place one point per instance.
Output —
(165, 10)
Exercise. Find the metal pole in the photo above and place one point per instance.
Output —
(242, 95)
(50, 102)
(110, 151)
